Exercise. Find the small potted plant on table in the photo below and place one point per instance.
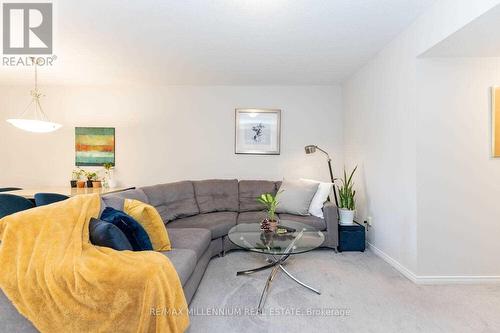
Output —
(76, 176)
(347, 203)
(91, 176)
(96, 182)
(271, 202)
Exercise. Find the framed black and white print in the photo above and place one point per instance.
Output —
(258, 131)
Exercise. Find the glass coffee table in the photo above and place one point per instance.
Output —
(278, 247)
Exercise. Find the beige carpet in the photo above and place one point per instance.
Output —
(360, 293)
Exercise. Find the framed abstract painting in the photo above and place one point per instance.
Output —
(94, 146)
(258, 131)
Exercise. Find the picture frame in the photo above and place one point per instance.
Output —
(94, 146)
(257, 131)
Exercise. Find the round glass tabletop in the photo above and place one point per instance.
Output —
(298, 238)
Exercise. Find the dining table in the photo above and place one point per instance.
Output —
(29, 193)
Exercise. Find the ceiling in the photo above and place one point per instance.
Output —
(224, 42)
(480, 38)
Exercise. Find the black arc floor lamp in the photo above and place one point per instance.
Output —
(311, 149)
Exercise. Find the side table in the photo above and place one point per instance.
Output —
(351, 237)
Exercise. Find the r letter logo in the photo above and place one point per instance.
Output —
(27, 28)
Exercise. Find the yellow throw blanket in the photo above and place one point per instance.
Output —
(61, 282)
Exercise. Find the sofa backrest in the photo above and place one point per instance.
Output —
(250, 190)
(216, 195)
(117, 199)
(188, 198)
(173, 200)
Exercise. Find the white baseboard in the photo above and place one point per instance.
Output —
(393, 262)
(434, 279)
(454, 279)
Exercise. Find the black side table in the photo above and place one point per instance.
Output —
(351, 237)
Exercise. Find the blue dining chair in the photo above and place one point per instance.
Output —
(10, 204)
(6, 189)
(42, 199)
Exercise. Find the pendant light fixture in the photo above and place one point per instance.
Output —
(38, 122)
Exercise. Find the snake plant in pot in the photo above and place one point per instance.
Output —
(347, 202)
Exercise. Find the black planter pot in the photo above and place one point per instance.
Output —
(73, 183)
(89, 183)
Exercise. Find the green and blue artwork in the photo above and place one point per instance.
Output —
(94, 146)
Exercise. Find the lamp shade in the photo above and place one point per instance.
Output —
(310, 149)
(33, 125)
(38, 122)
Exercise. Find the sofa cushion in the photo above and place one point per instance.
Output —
(173, 200)
(313, 221)
(184, 262)
(295, 196)
(135, 233)
(194, 239)
(218, 223)
(151, 221)
(112, 201)
(251, 217)
(117, 199)
(250, 190)
(278, 184)
(106, 234)
(319, 199)
(217, 195)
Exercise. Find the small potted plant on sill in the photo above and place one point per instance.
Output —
(76, 176)
(347, 202)
(91, 176)
(271, 202)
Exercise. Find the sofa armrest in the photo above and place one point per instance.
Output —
(330, 213)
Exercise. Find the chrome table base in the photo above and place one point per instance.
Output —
(275, 264)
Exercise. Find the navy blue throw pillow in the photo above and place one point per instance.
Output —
(136, 235)
(107, 234)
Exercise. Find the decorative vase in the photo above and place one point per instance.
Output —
(110, 179)
(73, 183)
(111, 183)
(89, 183)
(346, 216)
(96, 184)
(80, 184)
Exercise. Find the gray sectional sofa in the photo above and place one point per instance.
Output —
(198, 216)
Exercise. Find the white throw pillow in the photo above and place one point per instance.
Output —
(324, 190)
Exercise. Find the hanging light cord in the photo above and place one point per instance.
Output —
(36, 94)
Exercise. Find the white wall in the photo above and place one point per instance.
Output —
(170, 133)
(458, 181)
(380, 137)
(381, 131)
